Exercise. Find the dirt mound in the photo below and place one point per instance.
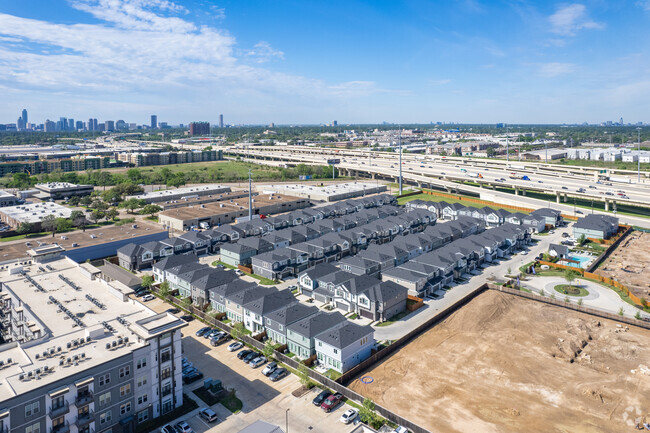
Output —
(506, 364)
(629, 264)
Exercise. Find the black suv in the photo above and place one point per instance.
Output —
(320, 398)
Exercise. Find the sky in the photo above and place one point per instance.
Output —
(312, 62)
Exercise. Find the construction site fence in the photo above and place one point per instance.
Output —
(488, 203)
(321, 379)
(572, 306)
(610, 249)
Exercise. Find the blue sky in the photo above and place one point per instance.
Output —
(260, 61)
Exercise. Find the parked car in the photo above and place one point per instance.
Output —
(243, 353)
(270, 368)
(211, 333)
(167, 429)
(187, 318)
(235, 346)
(401, 429)
(318, 400)
(148, 297)
(238, 272)
(278, 374)
(173, 310)
(565, 235)
(349, 416)
(248, 358)
(219, 338)
(292, 287)
(208, 414)
(331, 402)
(260, 360)
(203, 331)
(183, 427)
(192, 377)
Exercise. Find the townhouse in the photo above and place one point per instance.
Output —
(218, 294)
(276, 322)
(256, 310)
(343, 347)
(301, 334)
(136, 257)
(235, 301)
(596, 226)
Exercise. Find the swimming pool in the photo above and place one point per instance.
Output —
(583, 260)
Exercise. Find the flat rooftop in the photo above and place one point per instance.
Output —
(209, 209)
(18, 249)
(34, 212)
(191, 190)
(59, 186)
(327, 190)
(126, 318)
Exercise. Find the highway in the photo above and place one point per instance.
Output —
(428, 170)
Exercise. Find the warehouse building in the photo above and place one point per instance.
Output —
(32, 213)
(216, 214)
(335, 192)
(181, 193)
(59, 190)
(80, 355)
(7, 199)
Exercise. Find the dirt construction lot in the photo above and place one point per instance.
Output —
(630, 264)
(507, 364)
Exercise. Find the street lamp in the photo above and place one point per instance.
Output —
(638, 157)
(286, 420)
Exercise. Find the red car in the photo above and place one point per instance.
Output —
(331, 402)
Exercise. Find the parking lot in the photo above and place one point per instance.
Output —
(261, 398)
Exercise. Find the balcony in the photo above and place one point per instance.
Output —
(83, 398)
(85, 419)
(60, 410)
(61, 428)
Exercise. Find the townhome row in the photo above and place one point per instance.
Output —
(375, 227)
(537, 221)
(306, 330)
(136, 257)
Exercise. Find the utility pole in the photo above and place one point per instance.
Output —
(286, 420)
(250, 197)
(399, 141)
(546, 149)
(507, 145)
(638, 157)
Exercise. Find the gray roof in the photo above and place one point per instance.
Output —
(360, 284)
(271, 302)
(176, 260)
(313, 325)
(245, 296)
(387, 291)
(292, 313)
(320, 270)
(345, 335)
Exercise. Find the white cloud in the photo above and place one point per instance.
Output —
(263, 52)
(645, 4)
(569, 19)
(555, 69)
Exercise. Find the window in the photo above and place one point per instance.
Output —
(125, 408)
(320, 344)
(143, 399)
(143, 415)
(142, 380)
(336, 351)
(34, 428)
(141, 363)
(58, 402)
(105, 379)
(166, 355)
(32, 409)
(165, 373)
(105, 398)
(56, 422)
(105, 417)
(280, 327)
(124, 390)
(125, 371)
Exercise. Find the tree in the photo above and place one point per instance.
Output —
(24, 228)
(132, 204)
(74, 200)
(186, 302)
(269, 348)
(86, 200)
(164, 289)
(96, 215)
(582, 239)
(151, 209)
(490, 152)
(147, 281)
(237, 331)
(48, 223)
(303, 374)
(111, 214)
(570, 275)
(63, 224)
(367, 413)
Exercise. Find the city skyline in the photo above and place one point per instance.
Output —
(410, 62)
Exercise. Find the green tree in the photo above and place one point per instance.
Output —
(303, 374)
(367, 413)
(151, 209)
(74, 200)
(621, 312)
(132, 204)
(582, 240)
(570, 275)
(238, 330)
(111, 214)
(186, 302)
(86, 200)
(147, 281)
(269, 349)
(164, 289)
(96, 215)
(63, 224)
(48, 224)
(24, 228)
(490, 152)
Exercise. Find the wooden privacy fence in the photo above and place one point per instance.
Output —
(627, 230)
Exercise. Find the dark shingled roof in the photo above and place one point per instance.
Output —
(345, 335)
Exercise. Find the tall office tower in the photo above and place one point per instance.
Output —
(79, 126)
(120, 125)
(89, 125)
(199, 128)
(154, 121)
(95, 125)
(221, 121)
(49, 126)
(335, 123)
(19, 124)
(24, 116)
(71, 124)
(109, 125)
(62, 123)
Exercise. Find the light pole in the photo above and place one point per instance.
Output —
(399, 141)
(638, 156)
(507, 145)
(286, 420)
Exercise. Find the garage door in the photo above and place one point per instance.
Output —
(367, 314)
(342, 306)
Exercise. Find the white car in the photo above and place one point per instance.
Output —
(257, 361)
(149, 297)
(401, 429)
(349, 416)
(235, 346)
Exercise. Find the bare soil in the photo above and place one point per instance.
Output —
(630, 264)
(507, 364)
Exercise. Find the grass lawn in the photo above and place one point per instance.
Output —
(152, 218)
(566, 289)
(205, 396)
(332, 374)
(435, 198)
(263, 281)
(232, 403)
(26, 236)
(394, 319)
